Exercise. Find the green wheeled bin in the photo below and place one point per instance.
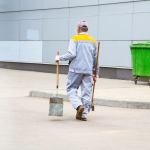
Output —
(141, 60)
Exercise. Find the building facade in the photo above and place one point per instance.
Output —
(32, 31)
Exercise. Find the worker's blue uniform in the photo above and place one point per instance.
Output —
(82, 53)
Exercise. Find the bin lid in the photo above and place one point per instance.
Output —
(143, 44)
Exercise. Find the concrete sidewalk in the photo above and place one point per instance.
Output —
(14, 83)
(25, 124)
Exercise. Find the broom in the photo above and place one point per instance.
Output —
(95, 76)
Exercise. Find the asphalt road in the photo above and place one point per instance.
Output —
(25, 125)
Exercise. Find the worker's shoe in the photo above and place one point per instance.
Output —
(84, 119)
(79, 112)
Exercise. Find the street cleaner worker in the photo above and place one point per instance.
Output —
(82, 54)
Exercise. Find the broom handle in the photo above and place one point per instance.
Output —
(57, 83)
(95, 75)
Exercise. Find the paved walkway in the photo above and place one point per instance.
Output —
(15, 83)
(25, 124)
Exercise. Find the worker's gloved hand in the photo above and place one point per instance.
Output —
(56, 59)
(95, 78)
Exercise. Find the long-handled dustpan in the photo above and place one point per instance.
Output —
(56, 102)
(95, 76)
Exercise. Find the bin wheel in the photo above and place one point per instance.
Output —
(135, 80)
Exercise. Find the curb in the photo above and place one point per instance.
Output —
(100, 102)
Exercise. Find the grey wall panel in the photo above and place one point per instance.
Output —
(36, 14)
(31, 51)
(50, 49)
(9, 30)
(10, 16)
(9, 51)
(141, 26)
(55, 29)
(134, 42)
(115, 27)
(9, 5)
(55, 3)
(142, 6)
(73, 3)
(92, 23)
(113, 1)
(31, 30)
(31, 4)
(115, 54)
(84, 11)
(56, 13)
(121, 8)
